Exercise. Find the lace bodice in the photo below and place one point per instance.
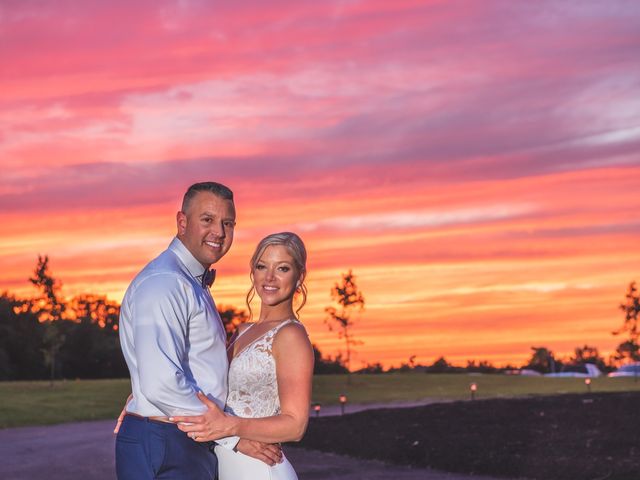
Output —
(253, 389)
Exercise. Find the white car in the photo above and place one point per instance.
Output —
(588, 370)
(629, 370)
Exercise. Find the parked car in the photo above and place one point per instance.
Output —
(629, 370)
(581, 371)
(527, 372)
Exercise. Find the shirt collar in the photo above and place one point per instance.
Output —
(194, 266)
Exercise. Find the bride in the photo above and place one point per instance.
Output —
(270, 370)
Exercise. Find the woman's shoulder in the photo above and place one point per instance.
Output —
(292, 344)
(291, 331)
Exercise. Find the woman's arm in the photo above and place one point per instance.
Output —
(293, 356)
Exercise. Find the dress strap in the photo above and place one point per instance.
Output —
(271, 334)
(279, 326)
(232, 343)
(268, 335)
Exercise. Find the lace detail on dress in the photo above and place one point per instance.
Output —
(253, 389)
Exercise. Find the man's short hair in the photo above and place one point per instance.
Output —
(217, 189)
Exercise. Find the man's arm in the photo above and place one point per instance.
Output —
(265, 452)
(160, 314)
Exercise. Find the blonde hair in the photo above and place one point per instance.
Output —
(295, 246)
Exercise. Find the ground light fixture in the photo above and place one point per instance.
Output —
(473, 388)
(316, 408)
(587, 382)
(343, 402)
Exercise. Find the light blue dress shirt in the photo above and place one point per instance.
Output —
(172, 338)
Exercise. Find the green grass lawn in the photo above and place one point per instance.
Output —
(36, 403)
(418, 386)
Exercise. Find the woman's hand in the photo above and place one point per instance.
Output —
(211, 425)
(122, 414)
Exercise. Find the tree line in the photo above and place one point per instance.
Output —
(542, 359)
(48, 336)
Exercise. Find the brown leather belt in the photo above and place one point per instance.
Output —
(153, 419)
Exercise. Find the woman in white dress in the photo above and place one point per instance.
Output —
(271, 367)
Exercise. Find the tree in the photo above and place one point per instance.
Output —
(48, 337)
(232, 317)
(482, 366)
(350, 300)
(588, 354)
(406, 367)
(542, 360)
(95, 309)
(21, 355)
(375, 368)
(92, 347)
(440, 365)
(327, 365)
(49, 308)
(629, 349)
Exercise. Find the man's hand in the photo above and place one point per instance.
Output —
(122, 414)
(265, 452)
(211, 425)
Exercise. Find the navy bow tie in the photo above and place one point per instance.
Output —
(208, 278)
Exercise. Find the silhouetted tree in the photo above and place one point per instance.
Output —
(349, 299)
(375, 368)
(542, 360)
(588, 354)
(21, 355)
(49, 337)
(232, 317)
(92, 348)
(483, 366)
(95, 309)
(629, 349)
(49, 308)
(405, 367)
(327, 365)
(439, 366)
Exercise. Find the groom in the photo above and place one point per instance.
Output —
(173, 342)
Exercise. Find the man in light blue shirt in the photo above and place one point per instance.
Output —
(173, 342)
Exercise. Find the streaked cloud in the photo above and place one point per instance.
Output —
(402, 219)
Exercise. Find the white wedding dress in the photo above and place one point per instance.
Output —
(253, 393)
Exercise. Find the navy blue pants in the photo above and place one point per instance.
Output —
(148, 449)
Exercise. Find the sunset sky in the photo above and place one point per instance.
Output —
(476, 163)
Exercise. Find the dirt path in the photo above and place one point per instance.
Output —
(84, 450)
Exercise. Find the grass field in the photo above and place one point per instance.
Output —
(418, 386)
(36, 403)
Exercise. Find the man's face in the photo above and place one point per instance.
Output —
(206, 228)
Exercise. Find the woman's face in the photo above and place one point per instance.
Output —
(275, 276)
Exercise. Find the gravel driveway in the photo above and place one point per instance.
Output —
(78, 451)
